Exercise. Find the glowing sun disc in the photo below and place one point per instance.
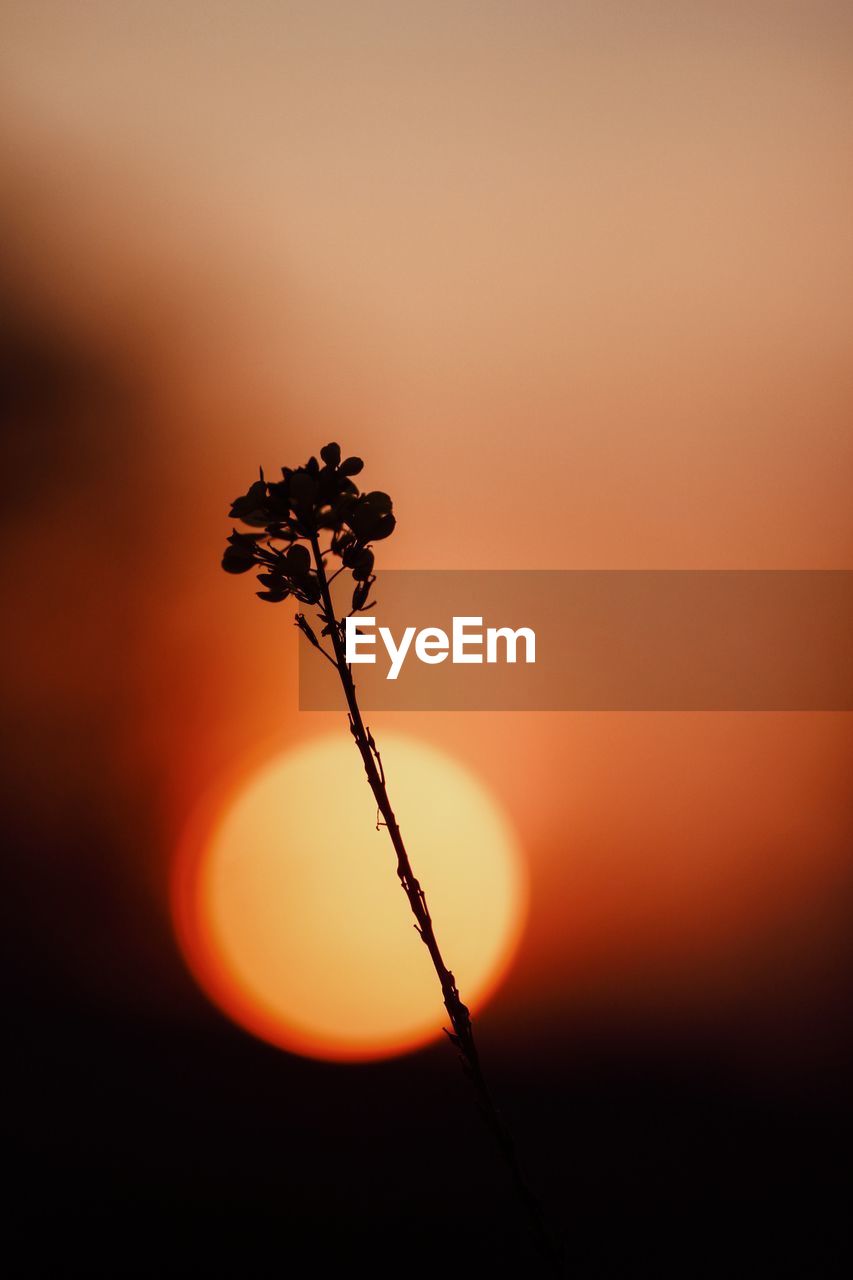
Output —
(293, 921)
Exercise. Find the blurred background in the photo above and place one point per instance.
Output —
(575, 280)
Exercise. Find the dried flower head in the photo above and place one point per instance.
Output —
(292, 513)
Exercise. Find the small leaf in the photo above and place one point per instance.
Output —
(252, 506)
(378, 501)
(359, 596)
(331, 454)
(351, 466)
(237, 560)
(384, 527)
(298, 560)
(274, 582)
(247, 540)
(363, 566)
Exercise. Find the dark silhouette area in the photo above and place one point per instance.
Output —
(149, 1147)
(321, 500)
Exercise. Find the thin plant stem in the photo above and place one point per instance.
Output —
(462, 1035)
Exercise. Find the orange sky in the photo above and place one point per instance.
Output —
(575, 279)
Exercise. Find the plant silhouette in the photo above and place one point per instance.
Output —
(289, 517)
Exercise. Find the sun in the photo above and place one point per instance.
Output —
(291, 917)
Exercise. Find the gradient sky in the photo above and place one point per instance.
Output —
(575, 279)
